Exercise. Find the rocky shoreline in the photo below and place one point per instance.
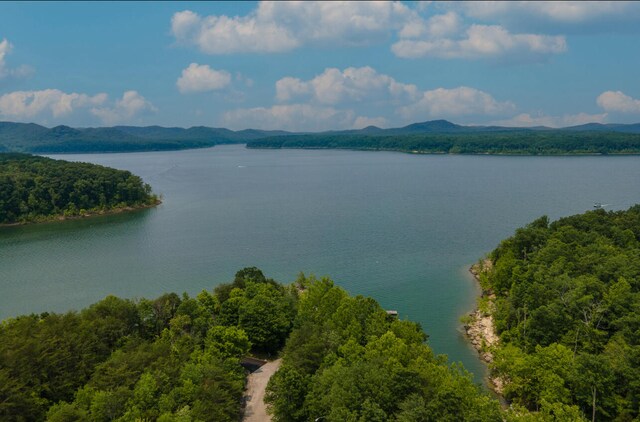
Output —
(480, 328)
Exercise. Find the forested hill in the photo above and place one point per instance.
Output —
(519, 142)
(36, 188)
(436, 136)
(176, 358)
(33, 138)
(567, 310)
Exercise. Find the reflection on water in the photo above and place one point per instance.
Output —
(71, 227)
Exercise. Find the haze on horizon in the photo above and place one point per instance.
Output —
(313, 66)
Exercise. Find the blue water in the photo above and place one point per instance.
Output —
(401, 228)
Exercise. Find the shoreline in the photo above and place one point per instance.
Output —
(479, 327)
(485, 153)
(87, 214)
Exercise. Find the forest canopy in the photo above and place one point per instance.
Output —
(348, 360)
(567, 310)
(34, 188)
(177, 358)
(174, 358)
(550, 142)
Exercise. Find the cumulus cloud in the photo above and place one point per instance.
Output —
(5, 71)
(222, 34)
(540, 119)
(365, 88)
(617, 101)
(461, 101)
(283, 26)
(437, 26)
(467, 30)
(559, 11)
(288, 88)
(478, 41)
(202, 78)
(21, 105)
(5, 48)
(296, 117)
(131, 105)
(353, 84)
(52, 104)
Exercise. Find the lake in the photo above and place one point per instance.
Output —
(401, 228)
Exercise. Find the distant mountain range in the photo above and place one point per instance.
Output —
(445, 126)
(30, 137)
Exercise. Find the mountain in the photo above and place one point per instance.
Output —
(445, 126)
(609, 127)
(433, 126)
(247, 134)
(30, 137)
(198, 133)
(14, 132)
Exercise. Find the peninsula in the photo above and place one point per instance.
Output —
(564, 298)
(36, 189)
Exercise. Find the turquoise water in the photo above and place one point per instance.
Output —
(401, 228)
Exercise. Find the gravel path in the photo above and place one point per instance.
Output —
(255, 409)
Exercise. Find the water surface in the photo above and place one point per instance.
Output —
(401, 228)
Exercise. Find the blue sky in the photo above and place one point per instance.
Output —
(319, 66)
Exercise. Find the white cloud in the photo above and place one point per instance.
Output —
(289, 87)
(437, 26)
(5, 48)
(553, 17)
(283, 26)
(617, 101)
(381, 94)
(467, 30)
(540, 119)
(223, 35)
(559, 11)
(131, 105)
(441, 103)
(184, 24)
(201, 78)
(480, 41)
(22, 105)
(351, 85)
(296, 117)
(274, 27)
(443, 25)
(55, 106)
(20, 71)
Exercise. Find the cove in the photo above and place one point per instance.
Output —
(398, 227)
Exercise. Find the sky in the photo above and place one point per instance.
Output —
(307, 66)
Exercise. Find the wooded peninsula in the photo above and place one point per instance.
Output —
(550, 142)
(565, 300)
(34, 189)
(177, 358)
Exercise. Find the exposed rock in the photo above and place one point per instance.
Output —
(480, 328)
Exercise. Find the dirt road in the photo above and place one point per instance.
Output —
(255, 408)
